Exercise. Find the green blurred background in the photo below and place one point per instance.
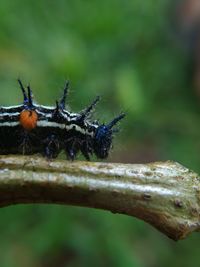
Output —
(142, 57)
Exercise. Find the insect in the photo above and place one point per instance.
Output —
(30, 128)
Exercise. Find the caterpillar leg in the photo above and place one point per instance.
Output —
(51, 147)
(25, 144)
(72, 147)
(86, 149)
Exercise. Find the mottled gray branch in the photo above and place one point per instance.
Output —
(164, 194)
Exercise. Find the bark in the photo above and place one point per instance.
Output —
(164, 194)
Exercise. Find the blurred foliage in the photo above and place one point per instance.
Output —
(129, 53)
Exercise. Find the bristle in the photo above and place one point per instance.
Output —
(57, 108)
(115, 120)
(63, 98)
(30, 96)
(90, 108)
(23, 91)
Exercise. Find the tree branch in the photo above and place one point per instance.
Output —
(164, 194)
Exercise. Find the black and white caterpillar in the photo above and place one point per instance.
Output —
(30, 128)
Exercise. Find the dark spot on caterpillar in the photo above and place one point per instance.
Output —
(30, 128)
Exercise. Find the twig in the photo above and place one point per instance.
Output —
(164, 194)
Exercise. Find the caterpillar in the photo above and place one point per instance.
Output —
(30, 128)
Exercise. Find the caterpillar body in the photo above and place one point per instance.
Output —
(30, 128)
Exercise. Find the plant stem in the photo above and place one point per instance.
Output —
(164, 194)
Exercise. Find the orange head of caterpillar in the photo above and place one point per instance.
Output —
(28, 119)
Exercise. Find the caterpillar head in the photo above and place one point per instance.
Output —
(103, 137)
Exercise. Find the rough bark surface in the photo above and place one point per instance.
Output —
(164, 194)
